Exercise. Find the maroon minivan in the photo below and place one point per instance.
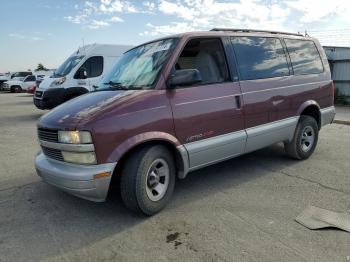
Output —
(184, 102)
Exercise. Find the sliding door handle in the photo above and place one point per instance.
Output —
(238, 102)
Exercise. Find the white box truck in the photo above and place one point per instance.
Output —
(78, 74)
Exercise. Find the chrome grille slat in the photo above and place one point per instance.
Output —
(38, 94)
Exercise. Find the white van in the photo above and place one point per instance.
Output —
(78, 74)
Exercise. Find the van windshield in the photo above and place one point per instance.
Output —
(67, 66)
(139, 68)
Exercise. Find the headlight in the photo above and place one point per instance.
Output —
(79, 158)
(74, 137)
(58, 82)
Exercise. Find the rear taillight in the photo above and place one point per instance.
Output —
(332, 88)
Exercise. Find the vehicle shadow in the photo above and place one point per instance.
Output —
(232, 173)
(43, 218)
(40, 217)
(25, 95)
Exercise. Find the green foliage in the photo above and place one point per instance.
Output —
(41, 67)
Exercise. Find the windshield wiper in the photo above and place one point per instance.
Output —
(117, 86)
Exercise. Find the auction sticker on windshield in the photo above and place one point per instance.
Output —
(158, 48)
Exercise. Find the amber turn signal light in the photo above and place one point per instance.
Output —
(102, 175)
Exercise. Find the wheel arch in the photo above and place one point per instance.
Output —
(311, 108)
(126, 149)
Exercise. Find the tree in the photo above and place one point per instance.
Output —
(41, 67)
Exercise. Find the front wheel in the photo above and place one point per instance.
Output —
(148, 179)
(305, 139)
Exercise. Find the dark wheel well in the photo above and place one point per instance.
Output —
(314, 112)
(13, 88)
(115, 182)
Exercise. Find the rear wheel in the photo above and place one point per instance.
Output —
(148, 179)
(305, 139)
(16, 89)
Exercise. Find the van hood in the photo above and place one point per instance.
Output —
(75, 113)
(45, 84)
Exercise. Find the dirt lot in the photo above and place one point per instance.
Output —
(239, 210)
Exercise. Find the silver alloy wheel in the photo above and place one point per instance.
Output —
(307, 138)
(157, 179)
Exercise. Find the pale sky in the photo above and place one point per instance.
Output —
(48, 31)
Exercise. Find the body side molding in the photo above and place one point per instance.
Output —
(268, 134)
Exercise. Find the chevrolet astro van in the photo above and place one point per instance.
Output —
(180, 103)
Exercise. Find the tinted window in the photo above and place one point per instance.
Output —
(29, 79)
(208, 57)
(93, 66)
(304, 56)
(21, 74)
(27, 73)
(260, 57)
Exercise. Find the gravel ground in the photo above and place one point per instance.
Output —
(239, 210)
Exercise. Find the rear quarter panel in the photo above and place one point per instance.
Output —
(273, 99)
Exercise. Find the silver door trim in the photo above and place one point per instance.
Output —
(267, 134)
(213, 150)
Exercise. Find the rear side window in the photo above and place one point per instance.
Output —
(260, 57)
(30, 78)
(93, 66)
(24, 74)
(304, 56)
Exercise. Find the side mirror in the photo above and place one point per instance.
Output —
(81, 73)
(184, 77)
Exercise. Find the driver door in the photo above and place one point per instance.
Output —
(94, 69)
(208, 115)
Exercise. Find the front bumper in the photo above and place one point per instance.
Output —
(75, 179)
(5, 87)
(49, 98)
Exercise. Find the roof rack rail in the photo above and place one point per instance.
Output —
(254, 31)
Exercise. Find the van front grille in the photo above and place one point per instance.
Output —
(38, 94)
(53, 153)
(48, 135)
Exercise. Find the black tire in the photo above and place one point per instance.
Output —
(301, 146)
(15, 89)
(134, 186)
